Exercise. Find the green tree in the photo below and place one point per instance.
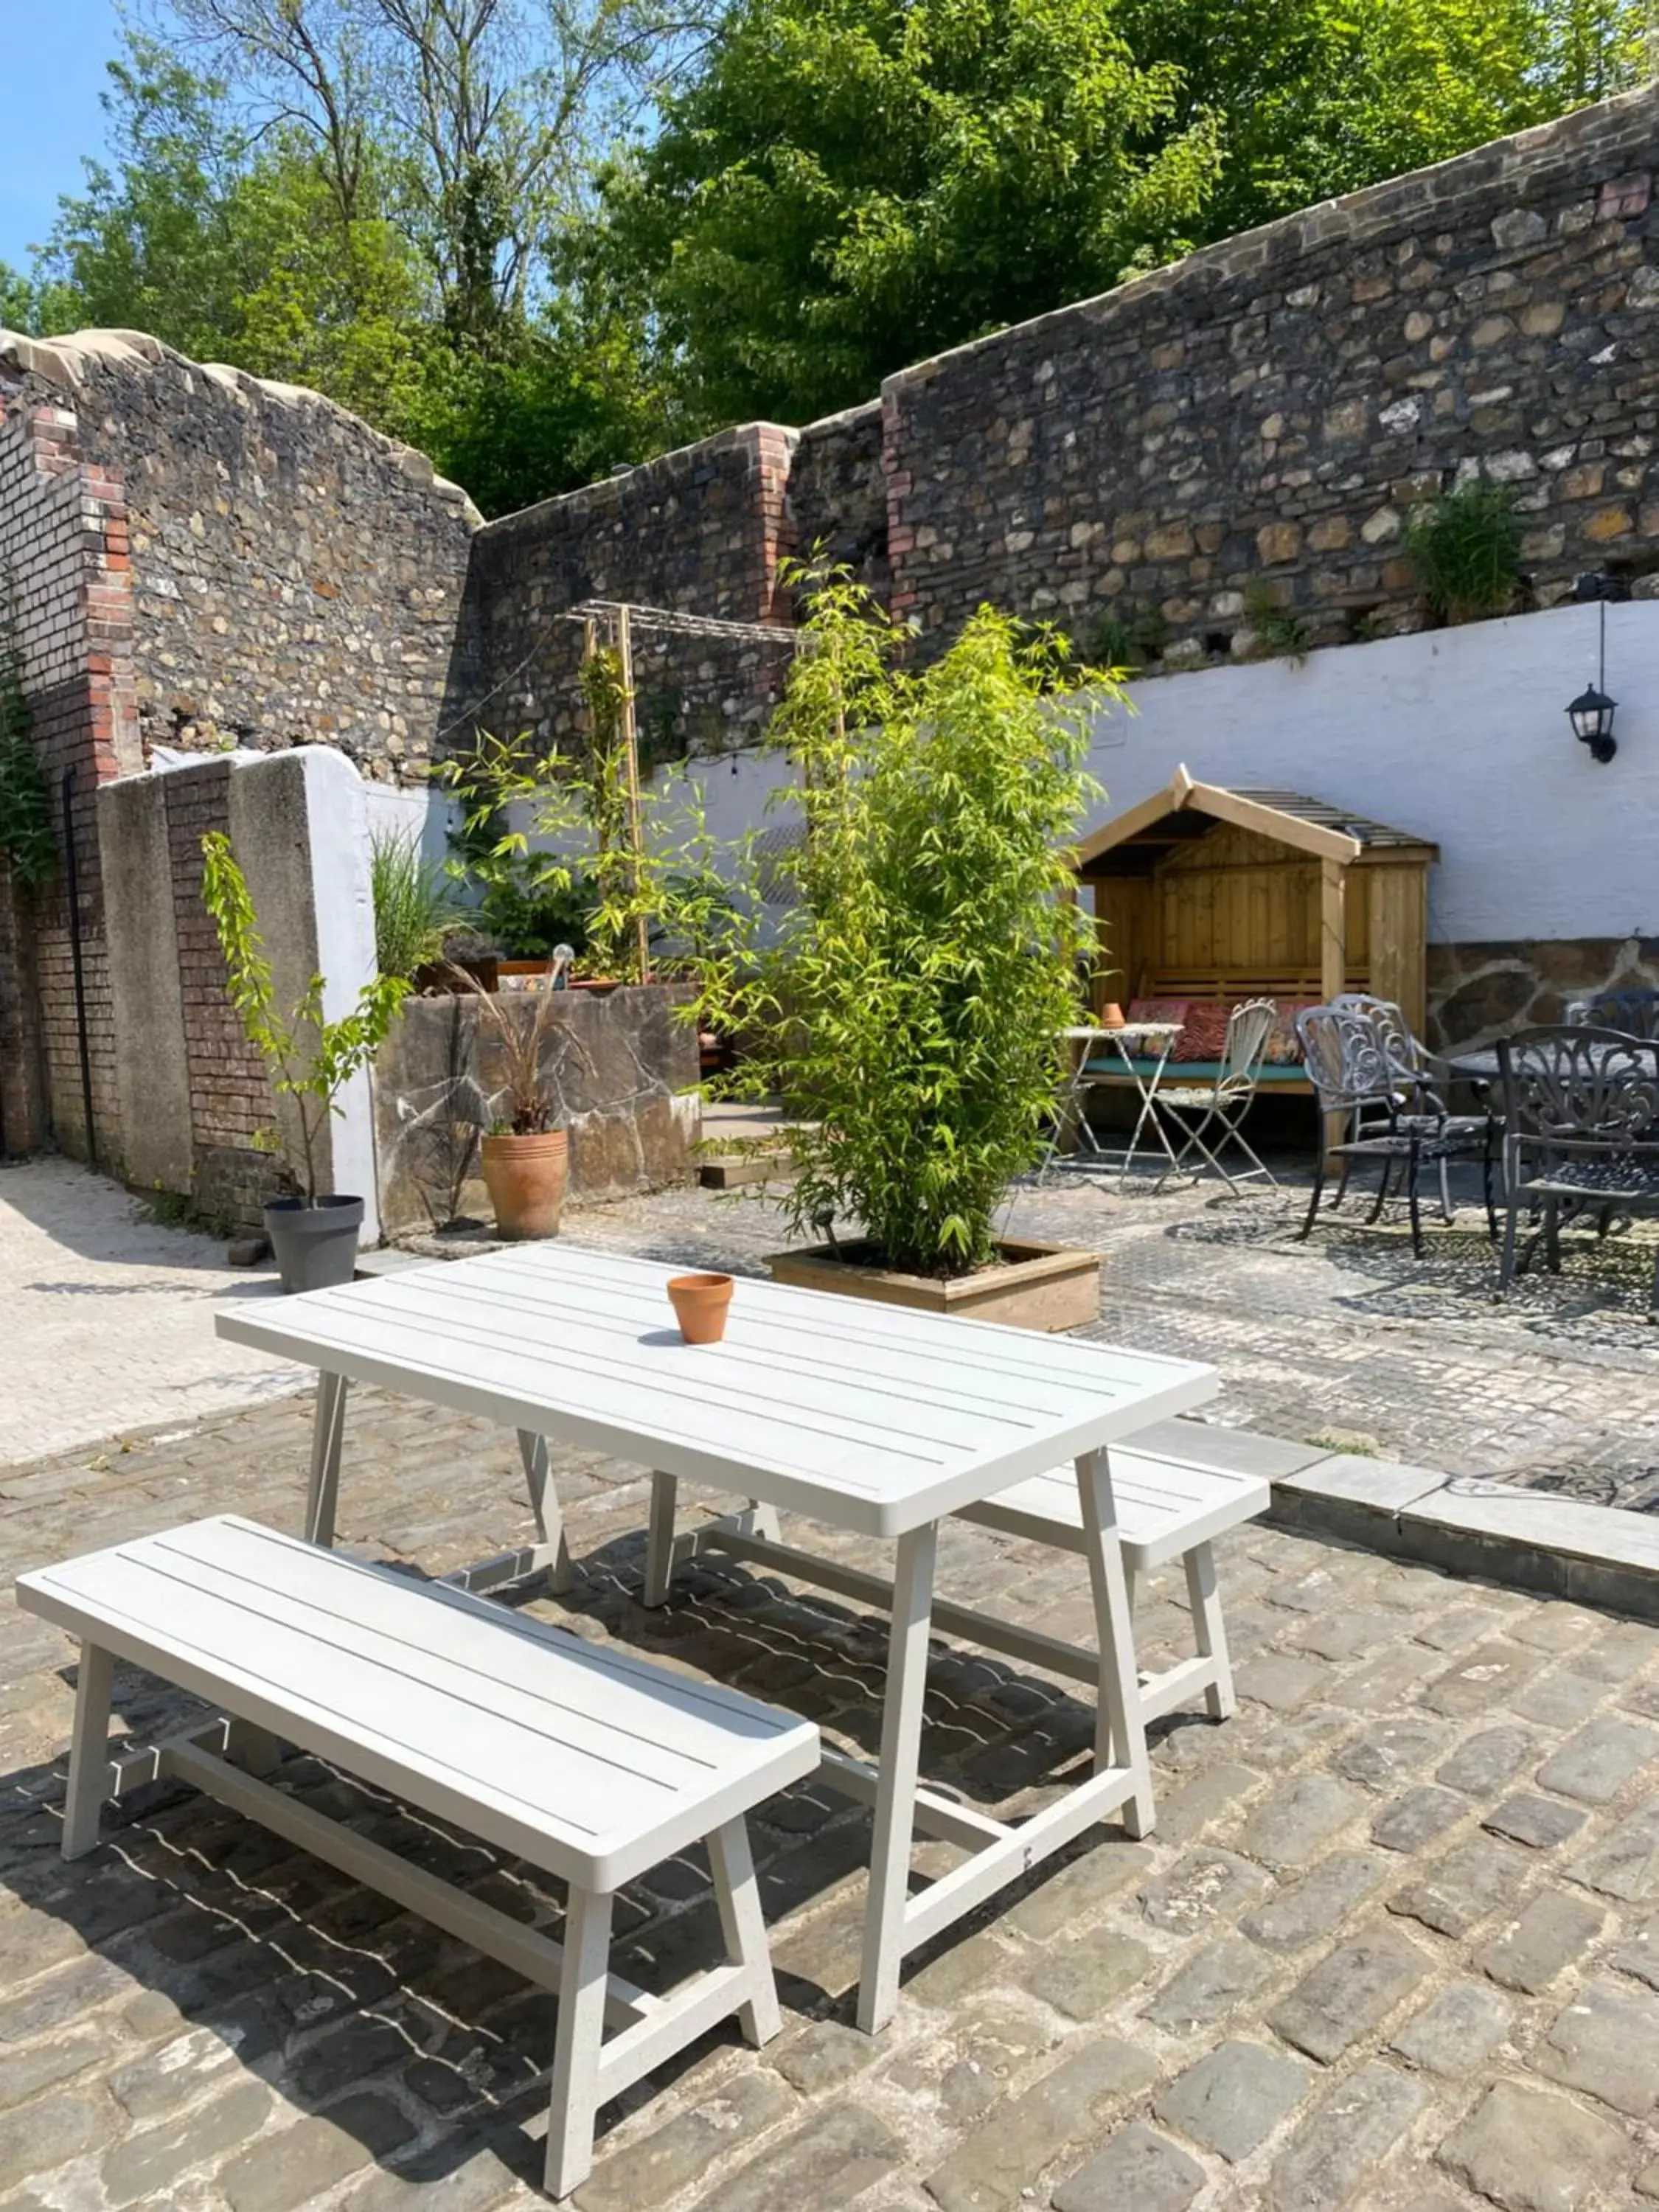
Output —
(1317, 97)
(849, 184)
(232, 247)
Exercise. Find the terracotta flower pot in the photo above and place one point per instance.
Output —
(1111, 1016)
(701, 1303)
(524, 1177)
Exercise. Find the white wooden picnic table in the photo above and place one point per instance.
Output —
(876, 1420)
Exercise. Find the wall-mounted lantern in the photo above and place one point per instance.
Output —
(1592, 712)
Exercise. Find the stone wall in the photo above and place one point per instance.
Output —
(1264, 412)
(837, 508)
(1480, 992)
(620, 1066)
(1249, 425)
(700, 531)
(202, 561)
(293, 577)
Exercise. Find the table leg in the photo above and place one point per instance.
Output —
(901, 1757)
(659, 1539)
(544, 1505)
(1147, 1086)
(89, 1767)
(327, 1429)
(1119, 1730)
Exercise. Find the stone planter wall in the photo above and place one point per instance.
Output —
(621, 1069)
(1480, 992)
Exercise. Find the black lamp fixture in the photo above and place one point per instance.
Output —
(1591, 713)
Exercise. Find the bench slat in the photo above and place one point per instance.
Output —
(593, 1769)
(1164, 1507)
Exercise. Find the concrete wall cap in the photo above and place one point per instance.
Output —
(51, 364)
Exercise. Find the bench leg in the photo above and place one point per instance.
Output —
(737, 1893)
(1120, 1728)
(659, 1539)
(89, 1769)
(895, 1789)
(327, 1430)
(544, 1505)
(1208, 1629)
(574, 2103)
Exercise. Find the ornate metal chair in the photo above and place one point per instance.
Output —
(1581, 1135)
(1368, 1070)
(1633, 1013)
(1207, 1117)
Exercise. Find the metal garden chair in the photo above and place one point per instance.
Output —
(1371, 1073)
(1581, 1136)
(1207, 1117)
(1633, 1013)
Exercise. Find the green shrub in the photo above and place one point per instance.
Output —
(1128, 637)
(1465, 550)
(414, 914)
(1280, 632)
(909, 1003)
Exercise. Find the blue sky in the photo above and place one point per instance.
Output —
(49, 111)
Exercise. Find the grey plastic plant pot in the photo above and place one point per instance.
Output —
(316, 1246)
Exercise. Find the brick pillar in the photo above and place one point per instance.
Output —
(63, 541)
(775, 450)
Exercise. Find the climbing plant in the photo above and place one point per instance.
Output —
(25, 834)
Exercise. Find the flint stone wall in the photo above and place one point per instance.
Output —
(699, 532)
(1265, 411)
(620, 1068)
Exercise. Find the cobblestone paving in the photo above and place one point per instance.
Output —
(1394, 1944)
(109, 1316)
(1346, 1336)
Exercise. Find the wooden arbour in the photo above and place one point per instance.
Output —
(1205, 893)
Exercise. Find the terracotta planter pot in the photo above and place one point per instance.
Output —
(1111, 1016)
(524, 1177)
(701, 1303)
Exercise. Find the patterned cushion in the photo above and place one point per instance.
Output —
(1173, 1010)
(1283, 1050)
(1203, 1032)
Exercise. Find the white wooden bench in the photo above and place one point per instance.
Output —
(1167, 1507)
(586, 1762)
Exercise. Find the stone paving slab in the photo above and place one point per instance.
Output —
(109, 1316)
(1261, 2007)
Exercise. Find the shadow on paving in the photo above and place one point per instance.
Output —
(428, 2054)
(1601, 1297)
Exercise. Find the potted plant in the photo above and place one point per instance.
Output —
(314, 1233)
(525, 1155)
(908, 1002)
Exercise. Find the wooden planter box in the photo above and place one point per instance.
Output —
(1047, 1286)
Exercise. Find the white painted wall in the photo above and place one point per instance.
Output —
(337, 822)
(1457, 735)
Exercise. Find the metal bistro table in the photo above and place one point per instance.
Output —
(876, 1420)
(1158, 1039)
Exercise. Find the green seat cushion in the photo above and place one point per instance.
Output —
(1194, 1070)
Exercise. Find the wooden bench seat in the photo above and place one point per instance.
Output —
(1167, 1507)
(586, 1761)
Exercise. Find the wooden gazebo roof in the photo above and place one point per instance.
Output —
(1135, 841)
